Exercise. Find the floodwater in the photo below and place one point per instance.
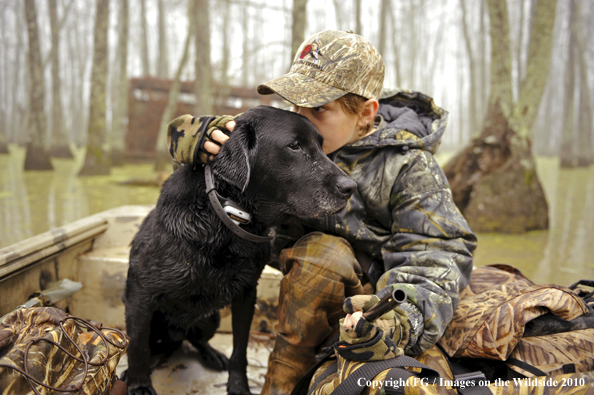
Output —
(564, 253)
(33, 202)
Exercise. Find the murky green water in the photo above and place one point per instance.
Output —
(564, 253)
(34, 202)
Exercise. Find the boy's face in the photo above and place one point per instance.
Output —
(336, 126)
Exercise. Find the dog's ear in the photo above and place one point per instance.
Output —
(234, 162)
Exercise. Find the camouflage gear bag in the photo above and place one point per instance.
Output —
(503, 316)
(44, 350)
(508, 336)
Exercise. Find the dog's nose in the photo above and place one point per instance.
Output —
(346, 185)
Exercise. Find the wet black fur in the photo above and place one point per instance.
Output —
(185, 264)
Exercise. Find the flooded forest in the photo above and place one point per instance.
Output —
(87, 87)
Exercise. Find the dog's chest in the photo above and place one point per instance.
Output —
(213, 281)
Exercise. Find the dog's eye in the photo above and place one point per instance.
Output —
(294, 146)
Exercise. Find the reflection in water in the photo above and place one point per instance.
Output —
(565, 253)
(34, 202)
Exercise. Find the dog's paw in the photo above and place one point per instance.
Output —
(136, 389)
(212, 358)
(238, 384)
(141, 390)
(124, 376)
(240, 392)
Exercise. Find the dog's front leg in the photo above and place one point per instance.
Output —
(138, 324)
(242, 312)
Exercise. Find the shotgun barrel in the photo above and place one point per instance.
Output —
(387, 303)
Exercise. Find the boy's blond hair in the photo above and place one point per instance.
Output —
(352, 103)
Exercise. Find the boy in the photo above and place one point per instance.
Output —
(400, 229)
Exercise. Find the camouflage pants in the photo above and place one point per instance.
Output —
(320, 272)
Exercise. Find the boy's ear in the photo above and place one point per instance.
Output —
(368, 112)
(234, 162)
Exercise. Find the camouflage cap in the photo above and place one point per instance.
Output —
(328, 65)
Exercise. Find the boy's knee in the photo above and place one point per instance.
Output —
(320, 254)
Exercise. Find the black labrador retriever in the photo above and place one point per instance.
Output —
(185, 264)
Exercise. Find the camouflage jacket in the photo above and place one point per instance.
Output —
(402, 214)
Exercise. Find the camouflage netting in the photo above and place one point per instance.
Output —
(495, 308)
(29, 337)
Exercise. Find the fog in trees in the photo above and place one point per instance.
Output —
(98, 76)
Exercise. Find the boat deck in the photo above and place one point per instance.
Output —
(182, 374)
(93, 252)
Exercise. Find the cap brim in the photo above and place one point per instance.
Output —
(301, 90)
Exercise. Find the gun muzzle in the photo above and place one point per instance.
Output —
(387, 303)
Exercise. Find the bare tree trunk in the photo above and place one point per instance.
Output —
(432, 56)
(298, 27)
(585, 154)
(4, 104)
(584, 147)
(245, 29)
(37, 157)
(3, 145)
(144, 51)
(395, 48)
(163, 58)
(462, 108)
(567, 153)
(338, 11)
(413, 40)
(74, 101)
(97, 160)
(483, 65)
(358, 28)
(202, 84)
(519, 45)
(120, 113)
(60, 146)
(473, 97)
(163, 159)
(537, 69)
(16, 84)
(4, 84)
(22, 128)
(542, 123)
(384, 7)
(494, 180)
(50, 54)
(501, 86)
(223, 93)
(79, 54)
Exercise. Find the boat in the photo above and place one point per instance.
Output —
(81, 268)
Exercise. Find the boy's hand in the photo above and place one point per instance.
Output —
(216, 136)
(381, 339)
(356, 329)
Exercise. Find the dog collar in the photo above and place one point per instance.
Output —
(215, 201)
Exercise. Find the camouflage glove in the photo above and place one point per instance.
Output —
(384, 338)
(186, 136)
(217, 123)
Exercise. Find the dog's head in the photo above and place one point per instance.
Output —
(275, 157)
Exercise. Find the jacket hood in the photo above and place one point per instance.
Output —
(408, 119)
